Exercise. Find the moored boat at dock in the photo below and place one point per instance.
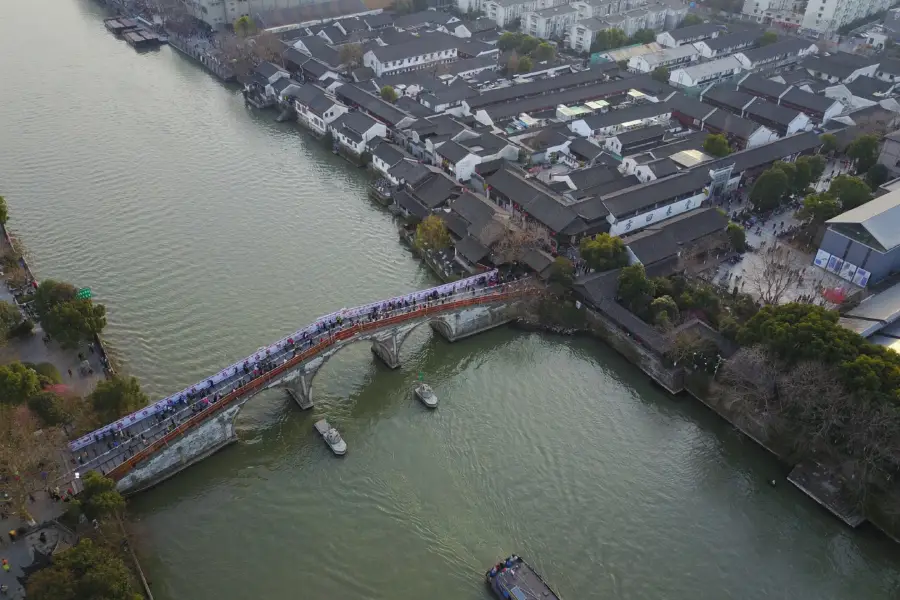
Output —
(332, 437)
(514, 579)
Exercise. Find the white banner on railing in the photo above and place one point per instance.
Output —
(310, 331)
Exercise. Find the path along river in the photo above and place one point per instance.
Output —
(208, 230)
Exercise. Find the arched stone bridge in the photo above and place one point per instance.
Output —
(199, 431)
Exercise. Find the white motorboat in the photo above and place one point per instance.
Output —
(426, 395)
(332, 437)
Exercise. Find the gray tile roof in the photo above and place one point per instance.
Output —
(473, 210)
(782, 48)
(356, 121)
(694, 224)
(652, 246)
(728, 97)
(410, 171)
(693, 31)
(537, 203)
(643, 134)
(724, 121)
(410, 204)
(267, 69)
(764, 109)
(452, 151)
(663, 167)
(667, 189)
(541, 86)
(435, 190)
(414, 108)
(389, 153)
(624, 115)
(585, 149)
(471, 249)
(376, 106)
(418, 46)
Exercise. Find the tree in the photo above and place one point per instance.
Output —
(808, 170)
(864, 150)
(244, 26)
(351, 55)
(48, 408)
(778, 274)
(29, 455)
(660, 74)
(664, 311)
(10, 317)
(525, 65)
(876, 175)
(509, 41)
(75, 321)
(527, 44)
(850, 191)
(643, 36)
(769, 189)
(609, 39)
(603, 252)
(266, 46)
(544, 51)
(100, 498)
(82, 572)
(388, 94)
(818, 208)
(635, 291)
(432, 234)
(716, 145)
(17, 383)
(4, 211)
(117, 397)
(829, 143)
(737, 236)
(689, 20)
(512, 63)
(52, 293)
(769, 37)
(562, 272)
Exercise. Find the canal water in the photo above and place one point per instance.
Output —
(207, 230)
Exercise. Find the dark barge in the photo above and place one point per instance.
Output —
(514, 579)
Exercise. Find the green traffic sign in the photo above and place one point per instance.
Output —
(83, 294)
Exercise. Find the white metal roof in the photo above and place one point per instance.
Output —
(880, 217)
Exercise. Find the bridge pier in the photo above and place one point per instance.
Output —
(300, 389)
(387, 348)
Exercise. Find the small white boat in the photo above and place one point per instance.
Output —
(332, 437)
(426, 395)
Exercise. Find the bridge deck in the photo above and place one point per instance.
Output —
(115, 454)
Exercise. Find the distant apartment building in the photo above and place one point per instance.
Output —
(822, 17)
(628, 15)
(503, 12)
(550, 23)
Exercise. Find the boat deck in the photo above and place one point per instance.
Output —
(521, 582)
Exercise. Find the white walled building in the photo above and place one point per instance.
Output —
(670, 57)
(705, 73)
(549, 23)
(819, 16)
(219, 14)
(419, 53)
(628, 15)
(503, 12)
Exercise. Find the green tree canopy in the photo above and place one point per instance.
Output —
(850, 191)
(769, 37)
(818, 208)
(562, 272)
(643, 36)
(737, 236)
(244, 26)
(864, 150)
(877, 175)
(603, 252)
(661, 74)
(769, 189)
(635, 290)
(716, 145)
(49, 408)
(808, 170)
(117, 397)
(525, 65)
(664, 311)
(388, 94)
(689, 20)
(100, 498)
(18, 383)
(10, 317)
(52, 293)
(432, 234)
(544, 51)
(4, 211)
(829, 143)
(65, 317)
(528, 44)
(509, 41)
(84, 572)
(609, 39)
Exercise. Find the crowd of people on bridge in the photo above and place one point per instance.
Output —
(121, 440)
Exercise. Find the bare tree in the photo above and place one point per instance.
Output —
(749, 379)
(515, 242)
(351, 55)
(29, 455)
(237, 53)
(268, 46)
(777, 274)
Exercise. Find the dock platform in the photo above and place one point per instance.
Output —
(120, 26)
(141, 38)
(514, 579)
(823, 486)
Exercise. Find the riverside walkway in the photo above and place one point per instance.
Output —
(116, 448)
